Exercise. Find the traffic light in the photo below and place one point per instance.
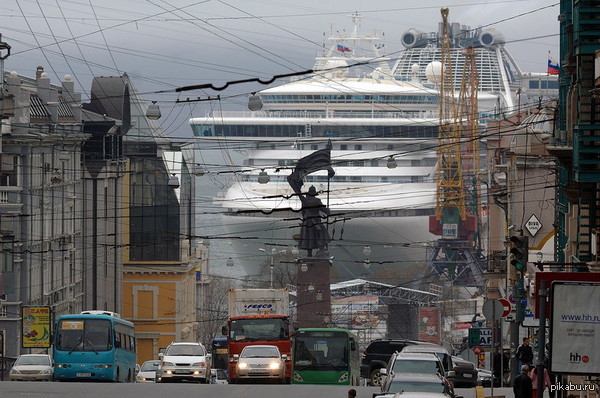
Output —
(519, 252)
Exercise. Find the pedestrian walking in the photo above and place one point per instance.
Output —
(534, 381)
(522, 386)
(525, 353)
(352, 393)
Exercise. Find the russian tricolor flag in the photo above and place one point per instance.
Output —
(553, 66)
(343, 49)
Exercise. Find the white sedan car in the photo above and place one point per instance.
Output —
(261, 363)
(30, 367)
(147, 373)
(184, 361)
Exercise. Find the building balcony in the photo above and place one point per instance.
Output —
(10, 198)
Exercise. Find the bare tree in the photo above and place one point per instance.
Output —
(284, 271)
(212, 312)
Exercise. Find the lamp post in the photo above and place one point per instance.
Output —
(271, 262)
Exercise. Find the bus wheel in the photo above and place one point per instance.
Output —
(375, 378)
(118, 378)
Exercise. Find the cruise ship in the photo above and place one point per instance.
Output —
(381, 123)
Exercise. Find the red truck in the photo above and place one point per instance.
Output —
(258, 317)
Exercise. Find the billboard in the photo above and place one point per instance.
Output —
(575, 328)
(35, 327)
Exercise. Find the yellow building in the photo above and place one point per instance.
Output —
(160, 301)
(160, 259)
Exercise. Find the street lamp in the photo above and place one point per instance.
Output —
(254, 103)
(229, 262)
(391, 163)
(153, 111)
(367, 251)
(263, 177)
(173, 181)
(271, 265)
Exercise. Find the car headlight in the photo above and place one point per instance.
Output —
(201, 364)
(242, 365)
(14, 371)
(167, 364)
(274, 365)
(48, 371)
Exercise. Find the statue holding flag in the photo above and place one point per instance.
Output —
(313, 232)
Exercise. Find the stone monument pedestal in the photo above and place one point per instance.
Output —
(313, 289)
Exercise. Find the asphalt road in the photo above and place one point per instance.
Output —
(150, 390)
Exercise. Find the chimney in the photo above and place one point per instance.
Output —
(72, 98)
(38, 72)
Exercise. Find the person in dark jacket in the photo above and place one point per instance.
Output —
(522, 385)
(525, 353)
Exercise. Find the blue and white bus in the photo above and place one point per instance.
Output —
(94, 345)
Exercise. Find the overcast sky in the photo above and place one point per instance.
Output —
(167, 44)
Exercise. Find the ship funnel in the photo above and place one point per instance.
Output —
(491, 37)
(413, 38)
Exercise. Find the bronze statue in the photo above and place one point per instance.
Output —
(313, 231)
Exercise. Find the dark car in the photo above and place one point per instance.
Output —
(378, 354)
(465, 373)
(418, 382)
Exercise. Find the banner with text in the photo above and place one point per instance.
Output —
(35, 327)
(575, 328)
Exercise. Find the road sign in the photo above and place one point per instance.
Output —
(506, 307)
(533, 225)
(477, 350)
(492, 310)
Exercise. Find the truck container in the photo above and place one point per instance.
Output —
(258, 302)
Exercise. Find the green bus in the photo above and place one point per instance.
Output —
(325, 356)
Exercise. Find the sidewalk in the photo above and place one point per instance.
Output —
(507, 392)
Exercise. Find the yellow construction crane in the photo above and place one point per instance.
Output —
(458, 165)
(450, 207)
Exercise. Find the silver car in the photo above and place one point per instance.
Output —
(30, 367)
(261, 363)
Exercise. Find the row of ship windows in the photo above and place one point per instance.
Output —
(355, 147)
(425, 162)
(314, 130)
(352, 98)
(353, 179)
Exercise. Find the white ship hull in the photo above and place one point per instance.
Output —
(392, 219)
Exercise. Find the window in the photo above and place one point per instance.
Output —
(6, 254)
(358, 147)
(314, 147)
(8, 170)
(344, 147)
